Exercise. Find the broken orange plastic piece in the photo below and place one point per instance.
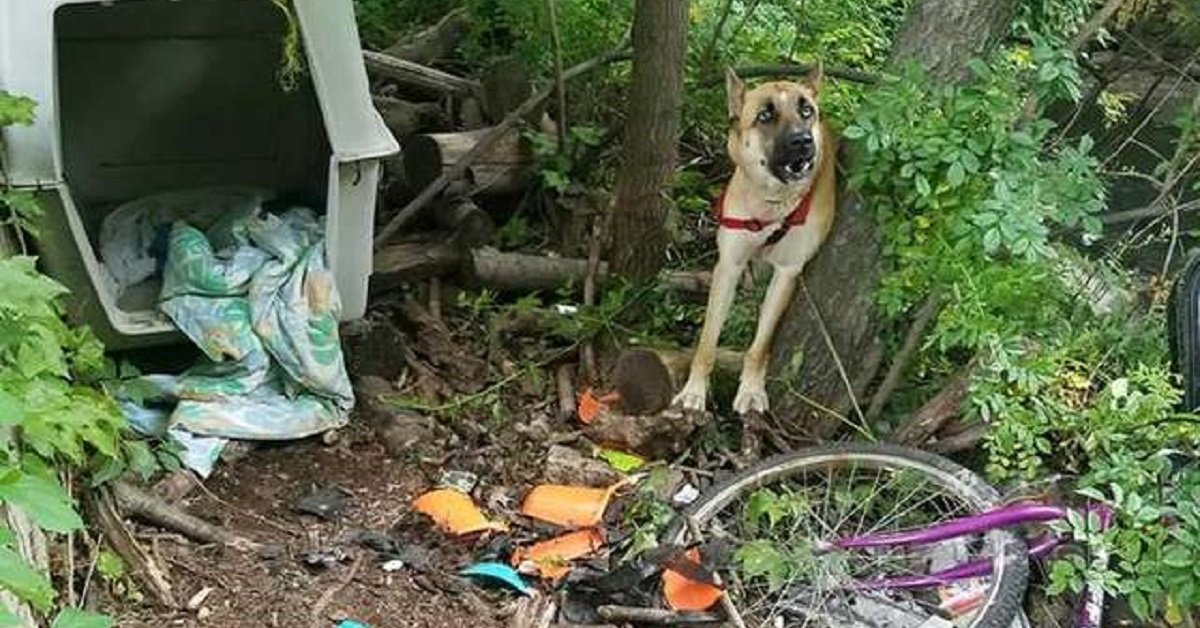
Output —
(591, 406)
(454, 512)
(683, 594)
(569, 506)
(551, 557)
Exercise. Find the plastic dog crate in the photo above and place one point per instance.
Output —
(141, 97)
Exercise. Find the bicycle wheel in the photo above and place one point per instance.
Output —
(774, 516)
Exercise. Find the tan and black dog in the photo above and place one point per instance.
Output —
(778, 207)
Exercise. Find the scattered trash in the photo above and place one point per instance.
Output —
(684, 594)
(326, 503)
(686, 495)
(350, 623)
(621, 461)
(462, 481)
(454, 512)
(551, 558)
(569, 506)
(392, 565)
(498, 573)
(591, 407)
(564, 309)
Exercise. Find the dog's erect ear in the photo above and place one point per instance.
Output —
(735, 91)
(816, 75)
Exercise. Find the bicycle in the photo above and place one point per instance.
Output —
(869, 535)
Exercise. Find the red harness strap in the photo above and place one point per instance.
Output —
(794, 219)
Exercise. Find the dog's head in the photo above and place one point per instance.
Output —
(775, 131)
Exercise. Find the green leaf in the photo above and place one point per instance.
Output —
(75, 618)
(854, 132)
(1140, 604)
(760, 559)
(43, 500)
(1177, 556)
(12, 411)
(621, 461)
(23, 581)
(956, 174)
(15, 109)
(923, 187)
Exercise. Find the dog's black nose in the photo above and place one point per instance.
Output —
(800, 139)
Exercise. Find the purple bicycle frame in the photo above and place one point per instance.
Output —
(1090, 610)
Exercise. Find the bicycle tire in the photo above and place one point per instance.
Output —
(1011, 563)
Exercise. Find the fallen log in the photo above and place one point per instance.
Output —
(414, 261)
(936, 412)
(435, 43)
(416, 77)
(472, 227)
(149, 575)
(405, 118)
(513, 272)
(506, 168)
(136, 502)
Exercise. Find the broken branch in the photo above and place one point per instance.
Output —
(908, 349)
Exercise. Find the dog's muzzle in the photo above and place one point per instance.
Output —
(794, 157)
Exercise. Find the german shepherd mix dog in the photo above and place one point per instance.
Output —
(779, 207)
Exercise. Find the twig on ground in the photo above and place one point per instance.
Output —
(327, 597)
(912, 340)
(486, 143)
(149, 576)
(731, 611)
(657, 616)
(152, 508)
(564, 378)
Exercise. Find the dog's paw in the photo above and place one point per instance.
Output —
(692, 398)
(751, 399)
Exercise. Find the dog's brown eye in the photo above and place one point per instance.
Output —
(765, 115)
(806, 110)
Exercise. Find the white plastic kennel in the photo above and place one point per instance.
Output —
(139, 97)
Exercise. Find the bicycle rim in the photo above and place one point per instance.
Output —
(773, 515)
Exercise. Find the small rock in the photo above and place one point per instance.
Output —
(392, 565)
(326, 503)
(643, 382)
(653, 436)
(371, 345)
(197, 600)
(400, 431)
(564, 465)
(203, 613)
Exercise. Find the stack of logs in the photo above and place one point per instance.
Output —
(438, 117)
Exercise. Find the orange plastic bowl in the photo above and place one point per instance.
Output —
(551, 557)
(683, 594)
(454, 512)
(568, 506)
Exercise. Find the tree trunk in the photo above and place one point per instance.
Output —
(639, 234)
(943, 35)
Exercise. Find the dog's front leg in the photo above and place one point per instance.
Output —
(720, 299)
(752, 390)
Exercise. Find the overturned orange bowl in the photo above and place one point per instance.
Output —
(568, 506)
(454, 512)
(551, 557)
(683, 594)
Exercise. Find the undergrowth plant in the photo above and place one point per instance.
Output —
(54, 413)
(972, 191)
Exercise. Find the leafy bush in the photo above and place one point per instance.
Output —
(53, 413)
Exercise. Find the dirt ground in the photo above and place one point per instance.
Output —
(274, 587)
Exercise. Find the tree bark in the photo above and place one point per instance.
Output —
(416, 77)
(506, 168)
(651, 133)
(943, 35)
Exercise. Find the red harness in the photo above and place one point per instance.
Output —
(794, 219)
